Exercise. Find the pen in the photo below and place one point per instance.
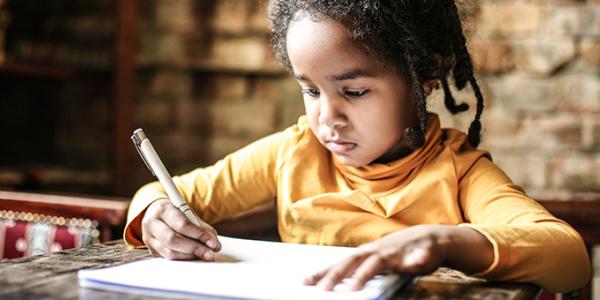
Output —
(157, 168)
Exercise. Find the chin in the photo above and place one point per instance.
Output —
(347, 161)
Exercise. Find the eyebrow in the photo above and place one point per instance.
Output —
(300, 77)
(352, 74)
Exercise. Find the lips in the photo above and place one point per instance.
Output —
(339, 146)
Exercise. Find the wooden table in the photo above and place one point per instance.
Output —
(55, 277)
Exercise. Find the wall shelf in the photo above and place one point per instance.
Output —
(117, 79)
(36, 71)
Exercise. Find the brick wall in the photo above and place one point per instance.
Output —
(539, 64)
(208, 81)
(209, 85)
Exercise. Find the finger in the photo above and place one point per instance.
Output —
(372, 266)
(152, 214)
(314, 279)
(156, 208)
(176, 215)
(146, 240)
(169, 253)
(150, 248)
(171, 239)
(338, 272)
(165, 208)
(164, 205)
(205, 253)
(180, 223)
(146, 235)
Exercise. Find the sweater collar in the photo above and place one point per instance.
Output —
(402, 166)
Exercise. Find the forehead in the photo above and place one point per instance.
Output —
(324, 43)
(317, 30)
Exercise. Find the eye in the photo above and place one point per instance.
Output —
(312, 92)
(355, 93)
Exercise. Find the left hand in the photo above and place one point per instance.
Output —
(416, 250)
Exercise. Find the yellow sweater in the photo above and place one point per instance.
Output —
(321, 201)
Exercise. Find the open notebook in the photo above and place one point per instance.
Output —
(244, 269)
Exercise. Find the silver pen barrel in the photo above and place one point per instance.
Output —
(138, 137)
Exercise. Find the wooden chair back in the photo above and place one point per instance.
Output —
(30, 220)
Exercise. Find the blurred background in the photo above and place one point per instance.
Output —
(78, 76)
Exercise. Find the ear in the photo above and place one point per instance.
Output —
(429, 85)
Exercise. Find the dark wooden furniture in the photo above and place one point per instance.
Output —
(55, 277)
(109, 212)
(123, 89)
(125, 52)
(582, 214)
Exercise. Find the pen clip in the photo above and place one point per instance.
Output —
(137, 138)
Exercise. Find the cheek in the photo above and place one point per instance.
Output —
(399, 112)
(389, 120)
(311, 109)
(388, 134)
(312, 113)
(389, 114)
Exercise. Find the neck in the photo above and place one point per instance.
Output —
(399, 150)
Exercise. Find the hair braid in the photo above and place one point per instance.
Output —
(463, 72)
(475, 128)
(421, 116)
(416, 137)
(449, 101)
(414, 53)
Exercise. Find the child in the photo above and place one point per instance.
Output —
(368, 166)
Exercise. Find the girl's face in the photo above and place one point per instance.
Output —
(357, 109)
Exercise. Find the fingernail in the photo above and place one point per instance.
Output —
(211, 243)
(355, 286)
(209, 255)
(325, 284)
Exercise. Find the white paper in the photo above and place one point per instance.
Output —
(244, 269)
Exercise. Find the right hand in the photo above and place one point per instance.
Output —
(167, 232)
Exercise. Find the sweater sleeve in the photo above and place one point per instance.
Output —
(235, 184)
(530, 245)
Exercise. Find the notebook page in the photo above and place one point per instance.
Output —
(244, 269)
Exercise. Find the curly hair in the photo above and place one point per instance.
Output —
(421, 39)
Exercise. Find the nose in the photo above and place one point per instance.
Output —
(330, 113)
